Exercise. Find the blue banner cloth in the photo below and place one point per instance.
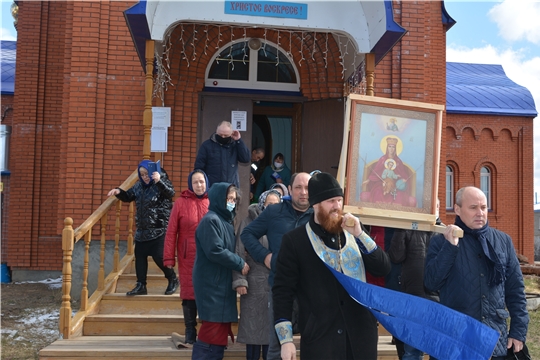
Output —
(426, 325)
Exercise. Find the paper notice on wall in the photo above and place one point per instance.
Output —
(239, 120)
(161, 117)
(158, 139)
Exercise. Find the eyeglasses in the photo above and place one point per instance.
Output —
(231, 199)
(144, 174)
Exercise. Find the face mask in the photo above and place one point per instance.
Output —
(230, 206)
(278, 165)
(222, 140)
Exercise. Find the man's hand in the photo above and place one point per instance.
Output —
(449, 235)
(251, 179)
(518, 345)
(268, 261)
(288, 351)
(113, 192)
(241, 290)
(351, 224)
(245, 269)
(236, 135)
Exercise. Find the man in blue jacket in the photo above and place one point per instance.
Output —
(479, 275)
(219, 156)
(274, 222)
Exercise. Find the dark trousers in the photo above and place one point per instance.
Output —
(204, 351)
(253, 352)
(153, 248)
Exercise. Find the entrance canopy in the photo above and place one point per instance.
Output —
(368, 25)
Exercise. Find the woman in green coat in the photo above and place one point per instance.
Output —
(212, 272)
(277, 172)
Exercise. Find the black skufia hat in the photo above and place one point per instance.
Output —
(323, 186)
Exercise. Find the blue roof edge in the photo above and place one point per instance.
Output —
(394, 32)
(138, 27)
(446, 18)
(490, 111)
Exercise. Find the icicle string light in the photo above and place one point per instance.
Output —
(314, 48)
(355, 82)
(326, 52)
(193, 40)
(206, 40)
(244, 49)
(301, 51)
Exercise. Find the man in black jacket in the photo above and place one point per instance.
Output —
(332, 324)
(219, 156)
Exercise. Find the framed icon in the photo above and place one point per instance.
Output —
(392, 156)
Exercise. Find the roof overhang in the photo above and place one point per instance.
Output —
(369, 24)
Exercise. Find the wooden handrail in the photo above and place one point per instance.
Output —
(69, 326)
(103, 208)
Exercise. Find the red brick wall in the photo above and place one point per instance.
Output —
(80, 95)
(7, 119)
(503, 144)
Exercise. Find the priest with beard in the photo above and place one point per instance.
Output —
(332, 325)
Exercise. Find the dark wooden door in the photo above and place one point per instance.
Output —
(322, 135)
(215, 109)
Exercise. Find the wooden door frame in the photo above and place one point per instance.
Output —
(295, 113)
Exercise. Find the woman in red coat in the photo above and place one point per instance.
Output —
(186, 214)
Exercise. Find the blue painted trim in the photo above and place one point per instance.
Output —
(394, 33)
(138, 27)
(5, 173)
(489, 111)
(276, 9)
(446, 18)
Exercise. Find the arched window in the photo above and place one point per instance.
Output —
(252, 64)
(485, 184)
(449, 188)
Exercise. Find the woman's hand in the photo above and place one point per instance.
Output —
(113, 192)
(241, 290)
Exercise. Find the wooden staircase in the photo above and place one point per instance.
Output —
(140, 327)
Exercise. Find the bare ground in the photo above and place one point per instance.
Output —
(29, 318)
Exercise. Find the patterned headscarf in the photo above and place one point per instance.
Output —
(282, 186)
(264, 195)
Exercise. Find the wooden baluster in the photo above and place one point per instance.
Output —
(67, 250)
(370, 74)
(84, 291)
(116, 261)
(130, 229)
(101, 273)
(148, 92)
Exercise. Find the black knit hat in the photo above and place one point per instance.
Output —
(322, 187)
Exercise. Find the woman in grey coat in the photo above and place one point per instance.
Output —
(254, 325)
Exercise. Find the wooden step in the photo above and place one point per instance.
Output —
(153, 347)
(141, 305)
(134, 324)
(155, 284)
(152, 268)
